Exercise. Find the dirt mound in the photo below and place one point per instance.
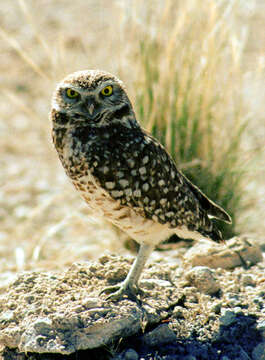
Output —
(184, 313)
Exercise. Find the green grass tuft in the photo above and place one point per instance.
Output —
(186, 105)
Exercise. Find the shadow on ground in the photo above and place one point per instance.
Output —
(235, 341)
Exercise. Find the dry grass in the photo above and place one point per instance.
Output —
(174, 58)
(188, 99)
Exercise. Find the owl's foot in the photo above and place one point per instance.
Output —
(129, 288)
(121, 291)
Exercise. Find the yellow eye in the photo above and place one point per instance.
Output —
(107, 91)
(72, 94)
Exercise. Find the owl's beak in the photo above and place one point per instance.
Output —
(93, 114)
(91, 109)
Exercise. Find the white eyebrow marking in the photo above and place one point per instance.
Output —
(55, 104)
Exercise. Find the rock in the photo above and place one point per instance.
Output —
(7, 317)
(228, 318)
(261, 325)
(233, 300)
(237, 310)
(259, 301)
(247, 280)
(151, 283)
(258, 352)
(261, 329)
(216, 307)
(131, 354)
(235, 252)
(65, 313)
(203, 279)
(161, 335)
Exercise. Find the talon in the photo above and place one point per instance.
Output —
(121, 291)
(110, 289)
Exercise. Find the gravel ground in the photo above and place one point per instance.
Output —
(190, 313)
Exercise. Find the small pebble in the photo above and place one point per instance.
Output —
(131, 354)
(178, 312)
(203, 279)
(261, 325)
(261, 329)
(161, 335)
(247, 280)
(258, 352)
(90, 303)
(7, 317)
(216, 308)
(259, 302)
(30, 299)
(228, 318)
(237, 310)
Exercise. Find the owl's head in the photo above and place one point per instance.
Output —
(91, 98)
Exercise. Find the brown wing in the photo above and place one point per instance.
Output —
(136, 170)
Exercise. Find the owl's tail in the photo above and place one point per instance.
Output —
(212, 209)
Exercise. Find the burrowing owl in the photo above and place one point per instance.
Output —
(124, 173)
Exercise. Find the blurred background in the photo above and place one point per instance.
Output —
(195, 74)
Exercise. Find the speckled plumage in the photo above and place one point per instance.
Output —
(120, 170)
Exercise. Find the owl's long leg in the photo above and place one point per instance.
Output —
(129, 287)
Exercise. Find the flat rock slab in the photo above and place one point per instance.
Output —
(62, 312)
(238, 251)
